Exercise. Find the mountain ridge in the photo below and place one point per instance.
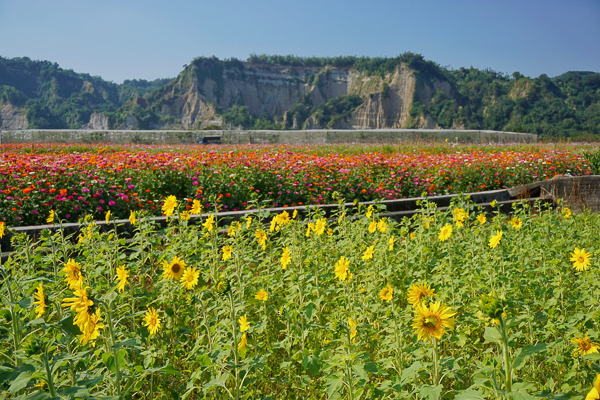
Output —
(287, 92)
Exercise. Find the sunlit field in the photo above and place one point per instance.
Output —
(455, 304)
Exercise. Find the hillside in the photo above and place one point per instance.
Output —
(287, 92)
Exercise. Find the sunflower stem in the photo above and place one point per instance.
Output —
(235, 349)
(114, 350)
(49, 379)
(506, 356)
(436, 372)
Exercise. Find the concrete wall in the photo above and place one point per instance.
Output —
(263, 137)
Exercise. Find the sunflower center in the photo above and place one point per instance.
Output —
(580, 259)
(585, 346)
(176, 268)
(430, 322)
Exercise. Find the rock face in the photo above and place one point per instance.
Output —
(12, 118)
(98, 121)
(193, 99)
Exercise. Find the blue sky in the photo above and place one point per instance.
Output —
(148, 39)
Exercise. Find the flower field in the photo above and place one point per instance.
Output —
(455, 305)
(79, 180)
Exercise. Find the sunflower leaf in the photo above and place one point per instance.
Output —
(492, 334)
(528, 351)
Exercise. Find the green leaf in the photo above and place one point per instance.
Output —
(431, 392)
(310, 311)
(109, 361)
(66, 324)
(359, 369)
(492, 335)
(313, 363)
(592, 357)
(26, 302)
(409, 373)
(528, 351)
(20, 382)
(333, 384)
(469, 394)
(135, 342)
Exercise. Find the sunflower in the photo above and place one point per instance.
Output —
(494, 203)
(372, 227)
(92, 329)
(190, 278)
(516, 223)
(320, 226)
(248, 221)
(460, 215)
(243, 342)
(122, 275)
(482, 219)
(107, 217)
(391, 243)
(132, 218)
(382, 226)
(369, 212)
(368, 253)
(309, 227)
(152, 321)
(82, 304)
(261, 238)
(233, 228)
(342, 269)
(227, 252)
(73, 276)
(261, 295)
(286, 258)
(419, 291)
(566, 212)
(169, 205)
(50, 218)
(495, 239)
(295, 214)
(40, 301)
(386, 293)
(184, 215)
(244, 325)
(445, 232)
(174, 269)
(208, 224)
(196, 207)
(432, 321)
(584, 346)
(594, 394)
(352, 323)
(2, 229)
(581, 259)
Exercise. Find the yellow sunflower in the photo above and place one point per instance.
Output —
(482, 219)
(368, 254)
(73, 276)
(190, 278)
(391, 243)
(174, 269)
(261, 295)
(50, 218)
(495, 239)
(369, 212)
(309, 227)
(516, 223)
(169, 206)
(122, 275)
(261, 238)
(244, 325)
(208, 224)
(342, 269)
(352, 323)
(320, 226)
(372, 227)
(243, 342)
(91, 332)
(419, 291)
(594, 394)
(132, 218)
(227, 252)
(581, 259)
(584, 346)
(386, 293)
(432, 321)
(382, 226)
(445, 232)
(286, 258)
(40, 301)
(152, 321)
(196, 207)
(566, 212)
(2, 229)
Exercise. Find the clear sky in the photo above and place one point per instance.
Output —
(149, 39)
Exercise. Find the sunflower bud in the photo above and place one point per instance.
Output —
(492, 306)
(223, 286)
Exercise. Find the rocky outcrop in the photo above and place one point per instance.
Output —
(98, 121)
(12, 118)
(195, 98)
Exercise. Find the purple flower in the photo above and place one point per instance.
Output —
(111, 203)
